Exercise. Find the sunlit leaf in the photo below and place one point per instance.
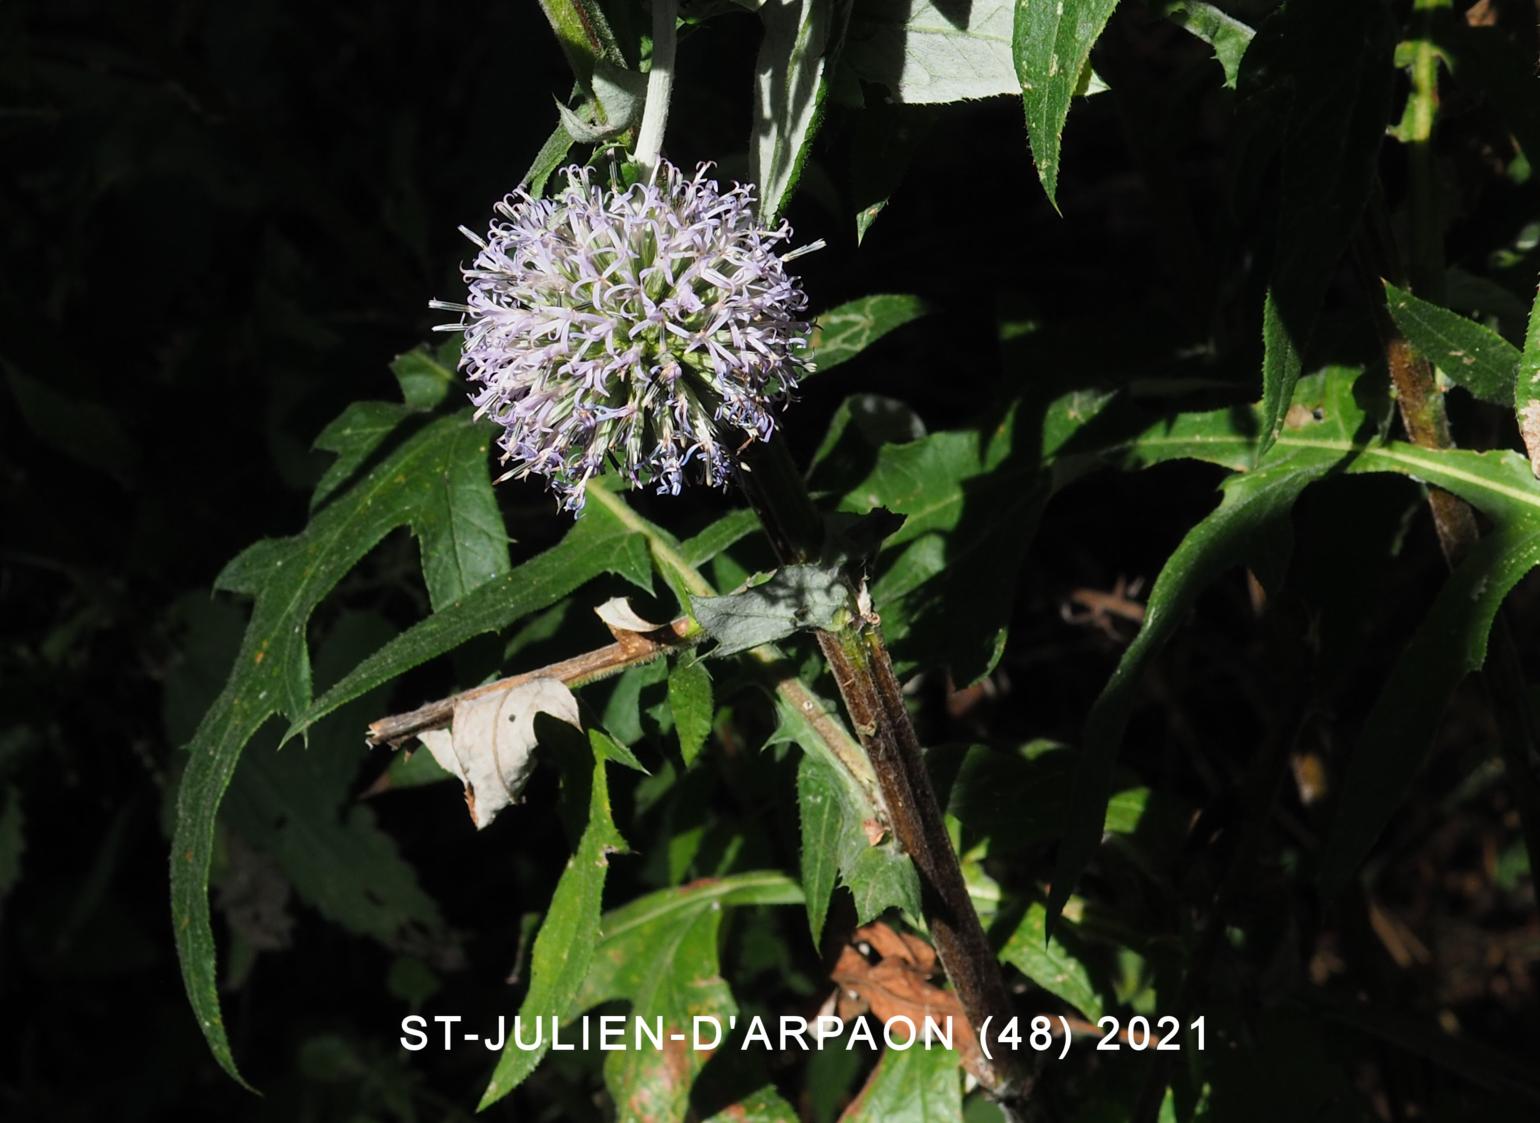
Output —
(288, 578)
(1051, 44)
(794, 598)
(689, 697)
(1227, 35)
(564, 947)
(1050, 963)
(1470, 354)
(789, 89)
(597, 544)
(928, 53)
(820, 807)
(915, 1085)
(844, 332)
(659, 953)
(425, 376)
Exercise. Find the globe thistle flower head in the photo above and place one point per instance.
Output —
(653, 329)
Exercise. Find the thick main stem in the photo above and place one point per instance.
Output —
(660, 87)
(874, 701)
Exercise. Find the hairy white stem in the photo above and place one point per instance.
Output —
(660, 86)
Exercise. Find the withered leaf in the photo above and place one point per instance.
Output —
(490, 744)
(898, 985)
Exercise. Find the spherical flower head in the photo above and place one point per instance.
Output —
(651, 328)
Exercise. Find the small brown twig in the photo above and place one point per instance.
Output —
(630, 649)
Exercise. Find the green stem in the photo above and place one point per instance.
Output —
(863, 672)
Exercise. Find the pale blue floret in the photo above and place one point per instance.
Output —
(645, 329)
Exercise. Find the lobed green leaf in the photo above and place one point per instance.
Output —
(271, 677)
(1227, 35)
(597, 544)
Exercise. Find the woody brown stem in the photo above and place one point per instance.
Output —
(863, 672)
(629, 650)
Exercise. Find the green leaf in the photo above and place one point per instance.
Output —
(1470, 354)
(915, 1085)
(1221, 541)
(1051, 45)
(861, 426)
(882, 877)
(928, 52)
(1526, 389)
(1332, 435)
(790, 84)
(660, 954)
(1283, 361)
(1049, 963)
(425, 376)
(1450, 643)
(834, 811)
(289, 578)
(608, 748)
(1335, 63)
(844, 332)
(1227, 35)
(598, 543)
(464, 543)
(944, 582)
(763, 1105)
(821, 809)
(564, 948)
(794, 598)
(552, 155)
(297, 806)
(1498, 483)
(354, 436)
(689, 698)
